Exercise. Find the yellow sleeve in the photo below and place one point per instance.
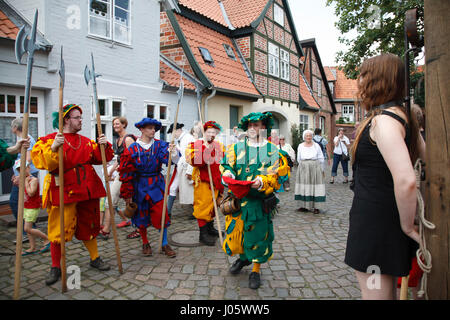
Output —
(43, 157)
(271, 181)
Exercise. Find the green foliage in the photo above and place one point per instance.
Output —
(388, 36)
(418, 84)
(296, 136)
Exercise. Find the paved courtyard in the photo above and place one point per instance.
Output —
(307, 263)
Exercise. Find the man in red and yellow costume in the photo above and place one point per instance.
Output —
(199, 154)
(82, 187)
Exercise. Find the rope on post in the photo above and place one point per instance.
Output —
(423, 254)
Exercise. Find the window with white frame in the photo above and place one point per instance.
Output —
(331, 86)
(110, 19)
(109, 109)
(322, 124)
(161, 113)
(304, 123)
(278, 14)
(284, 64)
(348, 112)
(274, 60)
(12, 107)
(319, 87)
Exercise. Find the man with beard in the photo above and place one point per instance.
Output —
(143, 183)
(200, 154)
(82, 187)
(249, 231)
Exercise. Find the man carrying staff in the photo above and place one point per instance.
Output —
(143, 183)
(82, 187)
(181, 176)
(199, 154)
(249, 231)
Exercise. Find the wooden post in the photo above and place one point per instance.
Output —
(437, 81)
(61, 193)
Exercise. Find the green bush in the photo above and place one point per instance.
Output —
(296, 136)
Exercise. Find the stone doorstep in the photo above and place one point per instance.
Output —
(9, 220)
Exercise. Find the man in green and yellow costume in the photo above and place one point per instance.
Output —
(249, 232)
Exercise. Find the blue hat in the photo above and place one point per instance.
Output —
(148, 121)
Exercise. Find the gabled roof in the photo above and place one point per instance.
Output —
(331, 74)
(171, 77)
(345, 88)
(7, 28)
(226, 75)
(208, 8)
(11, 21)
(243, 12)
(307, 100)
(311, 43)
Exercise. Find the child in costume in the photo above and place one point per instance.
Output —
(249, 231)
(32, 207)
(82, 187)
(199, 154)
(143, 183)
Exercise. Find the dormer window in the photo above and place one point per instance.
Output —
(229, 51)
(206, 56)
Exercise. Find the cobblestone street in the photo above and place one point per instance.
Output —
(307, 263)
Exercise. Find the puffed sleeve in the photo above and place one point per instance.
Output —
(279, 171)
(127, 172)
(42, 155)
(96, 153)
(228, 164)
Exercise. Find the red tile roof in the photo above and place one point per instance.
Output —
(344, 88)
(7, 29)
(306, 94)
(243, 12)
(207, 8)
(329, 74)
(226, 73)
(172, 77)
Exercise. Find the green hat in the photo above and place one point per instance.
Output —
(265, 117)
(66, 110)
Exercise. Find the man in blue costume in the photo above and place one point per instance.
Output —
(143, 183)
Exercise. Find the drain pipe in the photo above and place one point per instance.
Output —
(212, 95)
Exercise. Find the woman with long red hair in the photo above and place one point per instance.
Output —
(382, 237)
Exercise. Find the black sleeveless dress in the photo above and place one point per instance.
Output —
(375, 237)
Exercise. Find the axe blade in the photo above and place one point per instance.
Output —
(62, 69)
(21, 44)
(87, 75)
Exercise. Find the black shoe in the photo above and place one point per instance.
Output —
(238, 265)
(53, 276)
(212, 231)
(99, 264)
(205, 237)
(254, 280)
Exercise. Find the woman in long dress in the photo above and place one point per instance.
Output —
(309, 182)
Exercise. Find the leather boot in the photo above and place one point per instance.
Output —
(238, 265)
(99, 264)
(53, 276)
(254, 280)
(212, 231)
(206, 238)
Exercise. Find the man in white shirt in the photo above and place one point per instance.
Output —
(180, 181)
(341, 144)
